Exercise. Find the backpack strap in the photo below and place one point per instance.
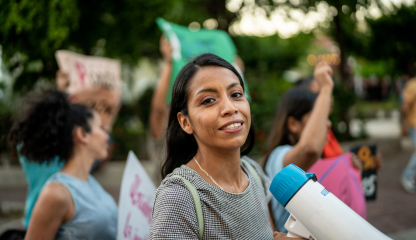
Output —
(198, 206)
(253, 171)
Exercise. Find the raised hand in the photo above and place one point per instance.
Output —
(166, 49)
(323, 75)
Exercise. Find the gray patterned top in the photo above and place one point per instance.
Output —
(226, 215)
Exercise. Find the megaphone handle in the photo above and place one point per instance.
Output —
(292, 235)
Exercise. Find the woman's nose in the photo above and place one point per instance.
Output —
(228, 108)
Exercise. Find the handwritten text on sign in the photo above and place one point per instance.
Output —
(136, 201)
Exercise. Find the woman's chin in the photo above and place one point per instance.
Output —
(102, 157)
(237, 144)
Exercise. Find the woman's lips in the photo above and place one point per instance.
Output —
(234, 130)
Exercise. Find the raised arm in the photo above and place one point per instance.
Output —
(312, 140)
(159, 108)
(53, 208)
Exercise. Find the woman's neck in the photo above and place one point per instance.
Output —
(79, 165)
(223, 166)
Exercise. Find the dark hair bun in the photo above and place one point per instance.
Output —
(43, 131)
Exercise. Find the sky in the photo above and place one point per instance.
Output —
(254, 22)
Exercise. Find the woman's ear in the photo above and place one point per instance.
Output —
(293, 125)
(185, 124)
(80, 135)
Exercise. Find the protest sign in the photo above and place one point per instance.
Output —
(93, 81)
(187, 44)
(137, 196)
(88, 72)
(344, 181)
(366, 154)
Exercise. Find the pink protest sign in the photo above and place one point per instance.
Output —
(343, 180)
(137, 196)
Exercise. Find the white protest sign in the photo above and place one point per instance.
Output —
(137, 195)
(88, 72)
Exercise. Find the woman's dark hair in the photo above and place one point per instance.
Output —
(181, 147)
(303, 82)
(294, 103)
(45, 128)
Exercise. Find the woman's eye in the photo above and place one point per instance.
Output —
(237, 94)
(207, 101)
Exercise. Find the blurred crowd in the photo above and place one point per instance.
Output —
(198, 142)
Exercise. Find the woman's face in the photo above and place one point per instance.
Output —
(218, 111)
(98, 138)
(300, 125)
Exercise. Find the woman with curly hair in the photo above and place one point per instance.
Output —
(72, 204)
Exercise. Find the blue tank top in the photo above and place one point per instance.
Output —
(95, 214)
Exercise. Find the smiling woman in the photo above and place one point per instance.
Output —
(209, 126)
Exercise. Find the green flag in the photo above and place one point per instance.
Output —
(187, 45)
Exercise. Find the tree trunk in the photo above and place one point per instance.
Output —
(339, 37)
(344, 69)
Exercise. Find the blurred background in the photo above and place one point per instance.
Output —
(370, 43)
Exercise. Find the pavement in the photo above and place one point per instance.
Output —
(393, 212)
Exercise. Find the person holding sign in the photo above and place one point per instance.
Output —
(72, 204)
(209, 191)
(332, 147)
(299, 132)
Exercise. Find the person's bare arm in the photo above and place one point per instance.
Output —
(312, 140)
(159, 108)
(378, 162)
(53, 208)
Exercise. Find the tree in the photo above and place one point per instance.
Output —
(392, 39)
(31, 31)
(342, 25)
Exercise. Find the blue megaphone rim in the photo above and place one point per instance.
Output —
(287, 183)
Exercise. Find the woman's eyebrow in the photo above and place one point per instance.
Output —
(206, 90)
(233, 84)
(215, 90)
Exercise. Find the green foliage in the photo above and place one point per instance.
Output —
(265, 59)
(393, 40)
(36, 29)
(266, 55)
(123, 29)
(379, 68)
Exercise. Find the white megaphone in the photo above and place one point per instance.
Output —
(315, 213)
